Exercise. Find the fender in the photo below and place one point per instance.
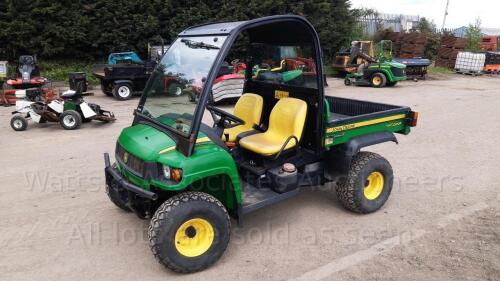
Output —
(369, 72)
(338, 159)
(124, 81)
(87, 110)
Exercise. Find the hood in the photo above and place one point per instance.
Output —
(397, 64)
(144, 141)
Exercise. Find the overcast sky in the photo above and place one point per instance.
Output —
(460, 12)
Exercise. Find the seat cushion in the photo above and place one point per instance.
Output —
(234, 132)
(287, 119)
(249, 109)
(265, 143)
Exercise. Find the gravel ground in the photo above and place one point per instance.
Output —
(442, 221)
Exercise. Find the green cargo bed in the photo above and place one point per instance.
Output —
(348, 118)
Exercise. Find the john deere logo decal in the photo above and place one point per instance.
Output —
(125, 157)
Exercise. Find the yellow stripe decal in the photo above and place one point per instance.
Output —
(199, 140)
(167, 149)
(203, 139)
(364, 123)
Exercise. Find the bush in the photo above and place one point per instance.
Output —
(90, 30)
(58, 70)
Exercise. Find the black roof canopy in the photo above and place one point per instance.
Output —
(283, 30)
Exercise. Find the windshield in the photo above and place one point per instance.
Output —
(174, 88)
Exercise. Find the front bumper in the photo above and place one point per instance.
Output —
(116, 181)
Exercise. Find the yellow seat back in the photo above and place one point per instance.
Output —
(288, 118)
(249, 109)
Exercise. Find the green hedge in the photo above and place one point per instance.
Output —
(90, 30)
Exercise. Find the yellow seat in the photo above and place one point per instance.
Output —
(287, 119)
(249, 109)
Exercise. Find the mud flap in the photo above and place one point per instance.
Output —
(86, 110)
(57, 106)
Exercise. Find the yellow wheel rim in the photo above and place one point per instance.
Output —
(194, 237)
(374, 185)
(377, 80)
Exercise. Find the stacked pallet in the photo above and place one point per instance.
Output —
(447, 53)
(413, 45)
(407, 45)
(395, 37)
(492, 63)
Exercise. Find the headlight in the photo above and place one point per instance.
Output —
(172, 173)
(166, 172)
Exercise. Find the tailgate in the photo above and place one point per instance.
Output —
(98, 70)
(352, 118)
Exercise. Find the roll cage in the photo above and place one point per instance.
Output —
(263, 30)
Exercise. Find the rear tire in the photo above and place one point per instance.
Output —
(378, 80)
(123, 91)
(108, 91)
(368, 184)
(70, 120)
(189, 232)
(18, 123)
(175, 89)
(347, 82)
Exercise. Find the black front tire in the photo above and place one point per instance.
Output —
(70, 120)
(18, 123)
(347, 82)
(175, 89)
(106, 89)
(378, 80)
(123, 91)
(173, 215)
(351, 191)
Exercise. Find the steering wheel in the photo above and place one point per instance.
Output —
(226, 120)
(235, 61)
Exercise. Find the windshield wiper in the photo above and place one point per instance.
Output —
(199, 45)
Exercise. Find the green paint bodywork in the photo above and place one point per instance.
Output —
(292, 74)
(399, 126)
(68, 105)
(385, 68)
(210, 168)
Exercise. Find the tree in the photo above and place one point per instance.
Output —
(474, 36)
(433, 38)
(91, 29)
(426, 26)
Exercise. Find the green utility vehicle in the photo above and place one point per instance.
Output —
(190, 166)
(379, 72)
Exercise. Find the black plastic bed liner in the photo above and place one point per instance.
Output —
(344, 110)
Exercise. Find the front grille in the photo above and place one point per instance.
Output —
(131, 162)
(398, 72)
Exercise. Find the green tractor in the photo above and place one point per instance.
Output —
(379, 72)
(190, 166)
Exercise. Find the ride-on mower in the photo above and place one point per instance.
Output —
(70, 110)
(27, 78)
(190, 175)
(379, 72)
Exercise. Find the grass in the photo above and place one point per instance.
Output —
(58, 70)
(438, 70)
(329, 71)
